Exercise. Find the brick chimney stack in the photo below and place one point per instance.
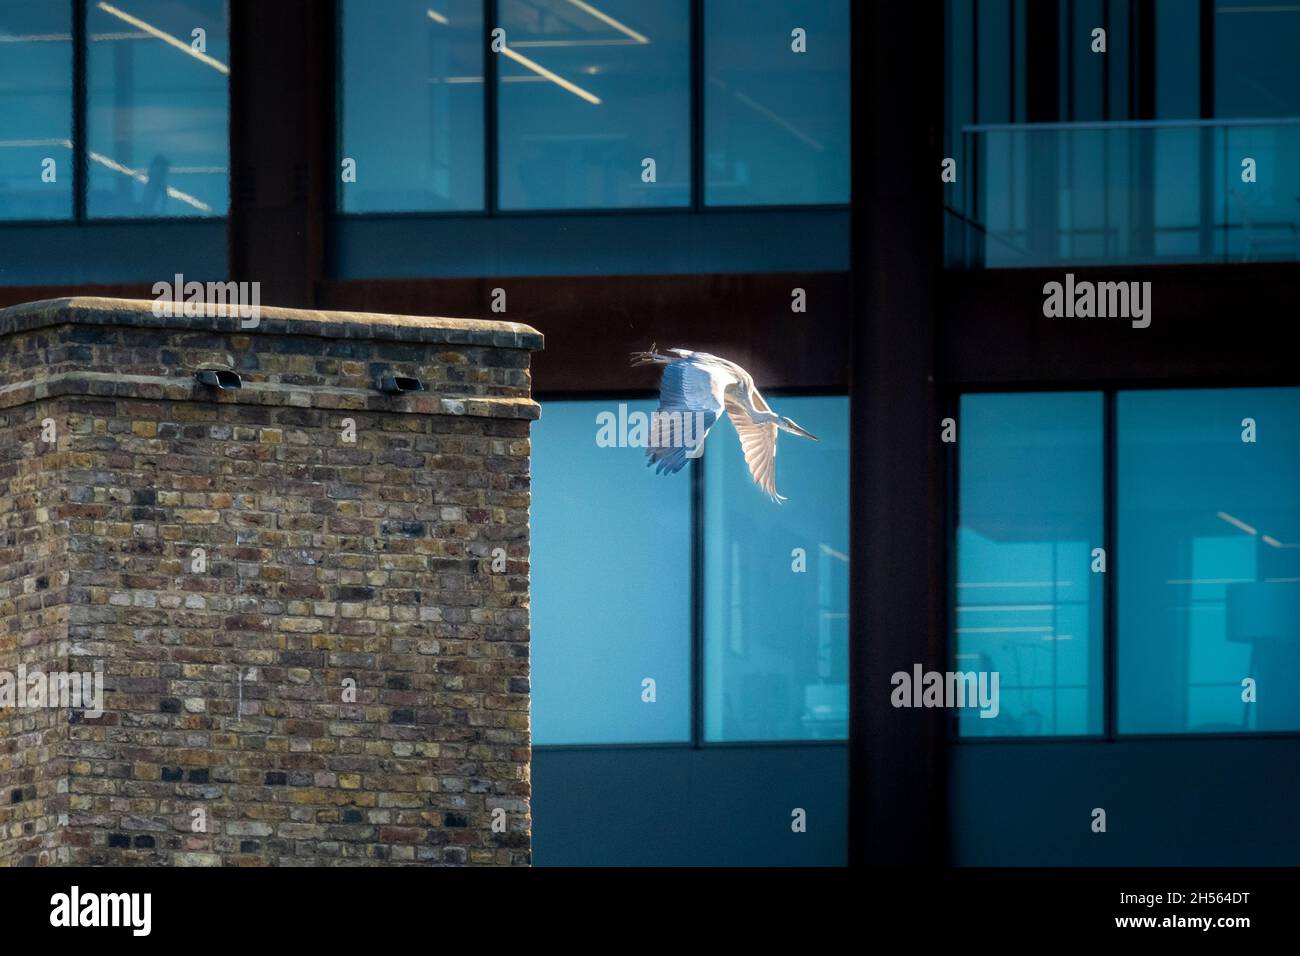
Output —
(306, 596)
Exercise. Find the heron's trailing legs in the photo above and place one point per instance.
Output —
(652, 357)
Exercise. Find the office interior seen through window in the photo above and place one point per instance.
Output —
(1031, 597)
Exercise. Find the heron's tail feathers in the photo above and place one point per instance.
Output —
(668, 459)
(651, 358)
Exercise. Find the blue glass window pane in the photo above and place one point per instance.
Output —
(412, 111)
(585, 94)
(776, 639)
(776, 122)
(1027, 603)
(1209, 560)
(35, 109)
(157, 109)
(611, 586)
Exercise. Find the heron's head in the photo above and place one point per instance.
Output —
(789, 424)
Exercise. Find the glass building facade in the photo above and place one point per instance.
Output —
(1117, 517)
(611, 558)
(156, 110)
(774, 642)
(411, 111)
(1204, 503)
(769, 110)
(1091, 132)
(36, 161)
(154, 142)
(1209, 577)
(776, 584)
(1027, 603)
(594, 106)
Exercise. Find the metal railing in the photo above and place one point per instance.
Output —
(1145, 191)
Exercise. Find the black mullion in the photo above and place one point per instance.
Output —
(697, 104)
(1206, 56)
(1110, 535)
(489, 109)
(1105, 72)
(80, 168)
(697, 601)
(1069, 60)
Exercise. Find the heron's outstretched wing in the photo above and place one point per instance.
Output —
(758, 442)
(689, 403)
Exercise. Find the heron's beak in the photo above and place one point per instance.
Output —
(795, 429)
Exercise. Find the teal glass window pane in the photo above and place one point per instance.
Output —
(1028, 605)
(157, 109)
(412, 105)
(776, 638)
(611, 586)
(35, 110)
(776, 122)
(585, 94)
(1177, 59)
(1209, 560)
(1256, 63)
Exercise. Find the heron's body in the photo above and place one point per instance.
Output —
(704, 387)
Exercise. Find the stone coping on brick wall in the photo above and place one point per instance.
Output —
(93, 310)
(273, 322)
(156, 388)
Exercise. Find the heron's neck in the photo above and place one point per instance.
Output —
(756, 415)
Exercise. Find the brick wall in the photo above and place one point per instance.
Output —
(230, 733)
(33, 632)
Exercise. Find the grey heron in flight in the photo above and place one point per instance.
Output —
(696, 389)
